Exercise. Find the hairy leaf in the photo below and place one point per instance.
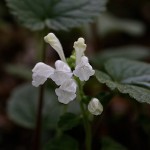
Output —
(55, 14)
(129, 77)
(130, 52)
(22, 107)
(128, 71)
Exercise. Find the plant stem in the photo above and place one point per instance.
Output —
(38, 129)
(37, 140)
(87, 127)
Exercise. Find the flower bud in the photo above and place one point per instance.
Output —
(79, 47)
(55, 43)
(95, 107)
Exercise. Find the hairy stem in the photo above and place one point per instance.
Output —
(87, 127)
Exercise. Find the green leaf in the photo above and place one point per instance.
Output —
(108, 23)
(22, 107)
(130, 52)
(68, 121)
(55, 14)
(63, 143)
(110, 144)
(104, 78)
(19, 71)
(127, 76)
(128, 71)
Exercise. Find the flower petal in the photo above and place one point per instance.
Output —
(69, 85)
(62, 66)
(83, 70)
(40, 74)
(55, 43)
(64, 96)
(79, 47)
(62, 72)
(66, 92)
(60, 77)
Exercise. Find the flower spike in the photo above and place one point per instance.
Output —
(62, 74)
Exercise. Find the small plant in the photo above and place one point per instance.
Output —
(70, 82)
(65, 105)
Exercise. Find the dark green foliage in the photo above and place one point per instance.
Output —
(68, 121)
(63, 143)
(129, 77)
(110, 144)
(55, 14)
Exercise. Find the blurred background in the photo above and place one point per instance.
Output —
(123, 30)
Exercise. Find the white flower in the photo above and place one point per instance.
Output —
(62, 72)
(66, 92)
(79, 47)
(95, 107)
(83, 70)
(40, 74)
(55, 43)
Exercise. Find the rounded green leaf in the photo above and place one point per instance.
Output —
(22, 107)
(128, 71)
(129, 52)
(55, 14)
(129, 77)
(23, 103)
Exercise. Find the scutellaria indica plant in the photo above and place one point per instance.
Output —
(70, 75)
(70, 79)
(120, 75)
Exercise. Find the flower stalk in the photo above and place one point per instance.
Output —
(87, 127)
(86, 123)
(38, 126)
